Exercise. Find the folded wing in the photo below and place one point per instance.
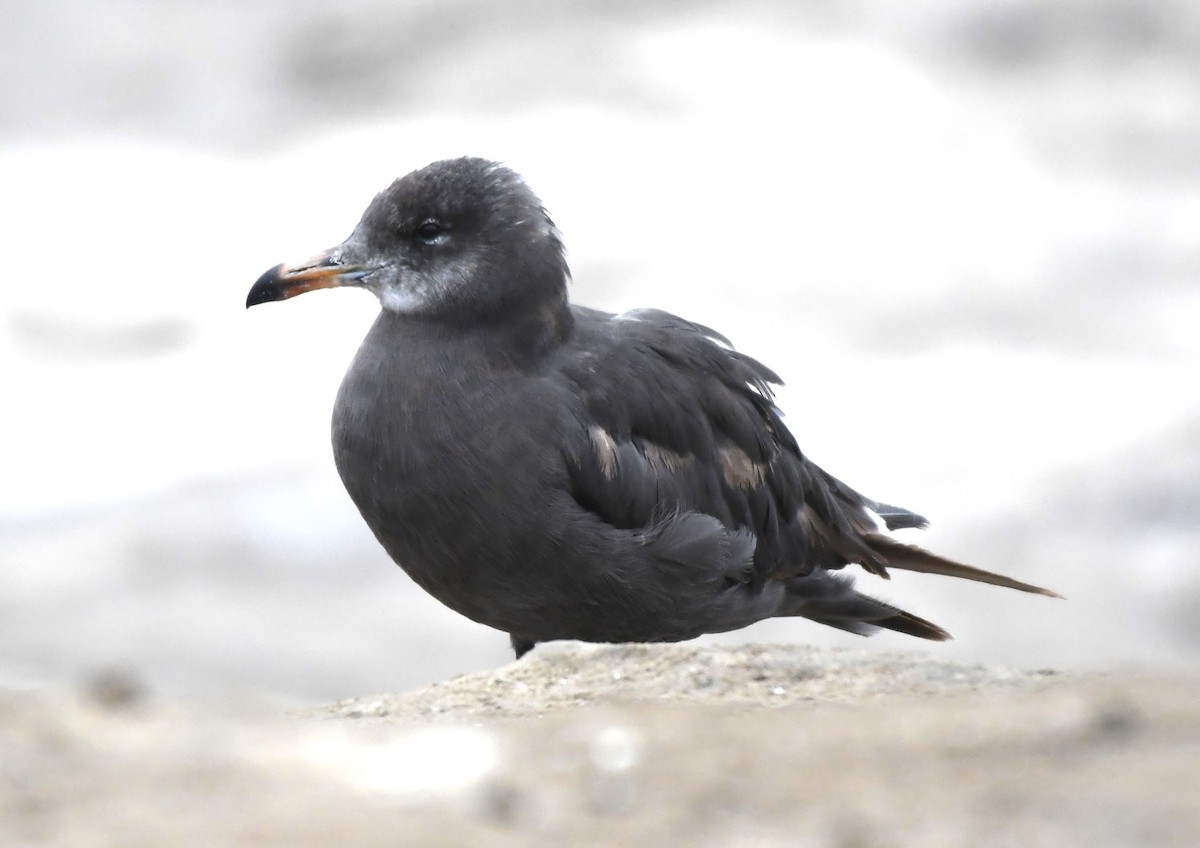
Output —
(680, 422)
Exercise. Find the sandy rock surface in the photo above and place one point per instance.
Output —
(654, 745)
(560, 675)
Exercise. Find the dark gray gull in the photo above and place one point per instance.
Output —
(557, 472)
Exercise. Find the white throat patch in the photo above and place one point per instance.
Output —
(404, 302)
(419, 292)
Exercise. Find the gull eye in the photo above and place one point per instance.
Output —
(431, 232)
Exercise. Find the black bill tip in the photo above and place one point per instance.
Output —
(266, 288)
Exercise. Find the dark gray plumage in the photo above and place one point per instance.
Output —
(561, 473)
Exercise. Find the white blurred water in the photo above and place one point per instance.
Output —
(969, 239)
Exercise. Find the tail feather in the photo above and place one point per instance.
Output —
(914, 625)
(831, 599)
(900, 621)
(912, 558)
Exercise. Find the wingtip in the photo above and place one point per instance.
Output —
(1022, 586)
(913, 558)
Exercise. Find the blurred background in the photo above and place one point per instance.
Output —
(967, 235)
